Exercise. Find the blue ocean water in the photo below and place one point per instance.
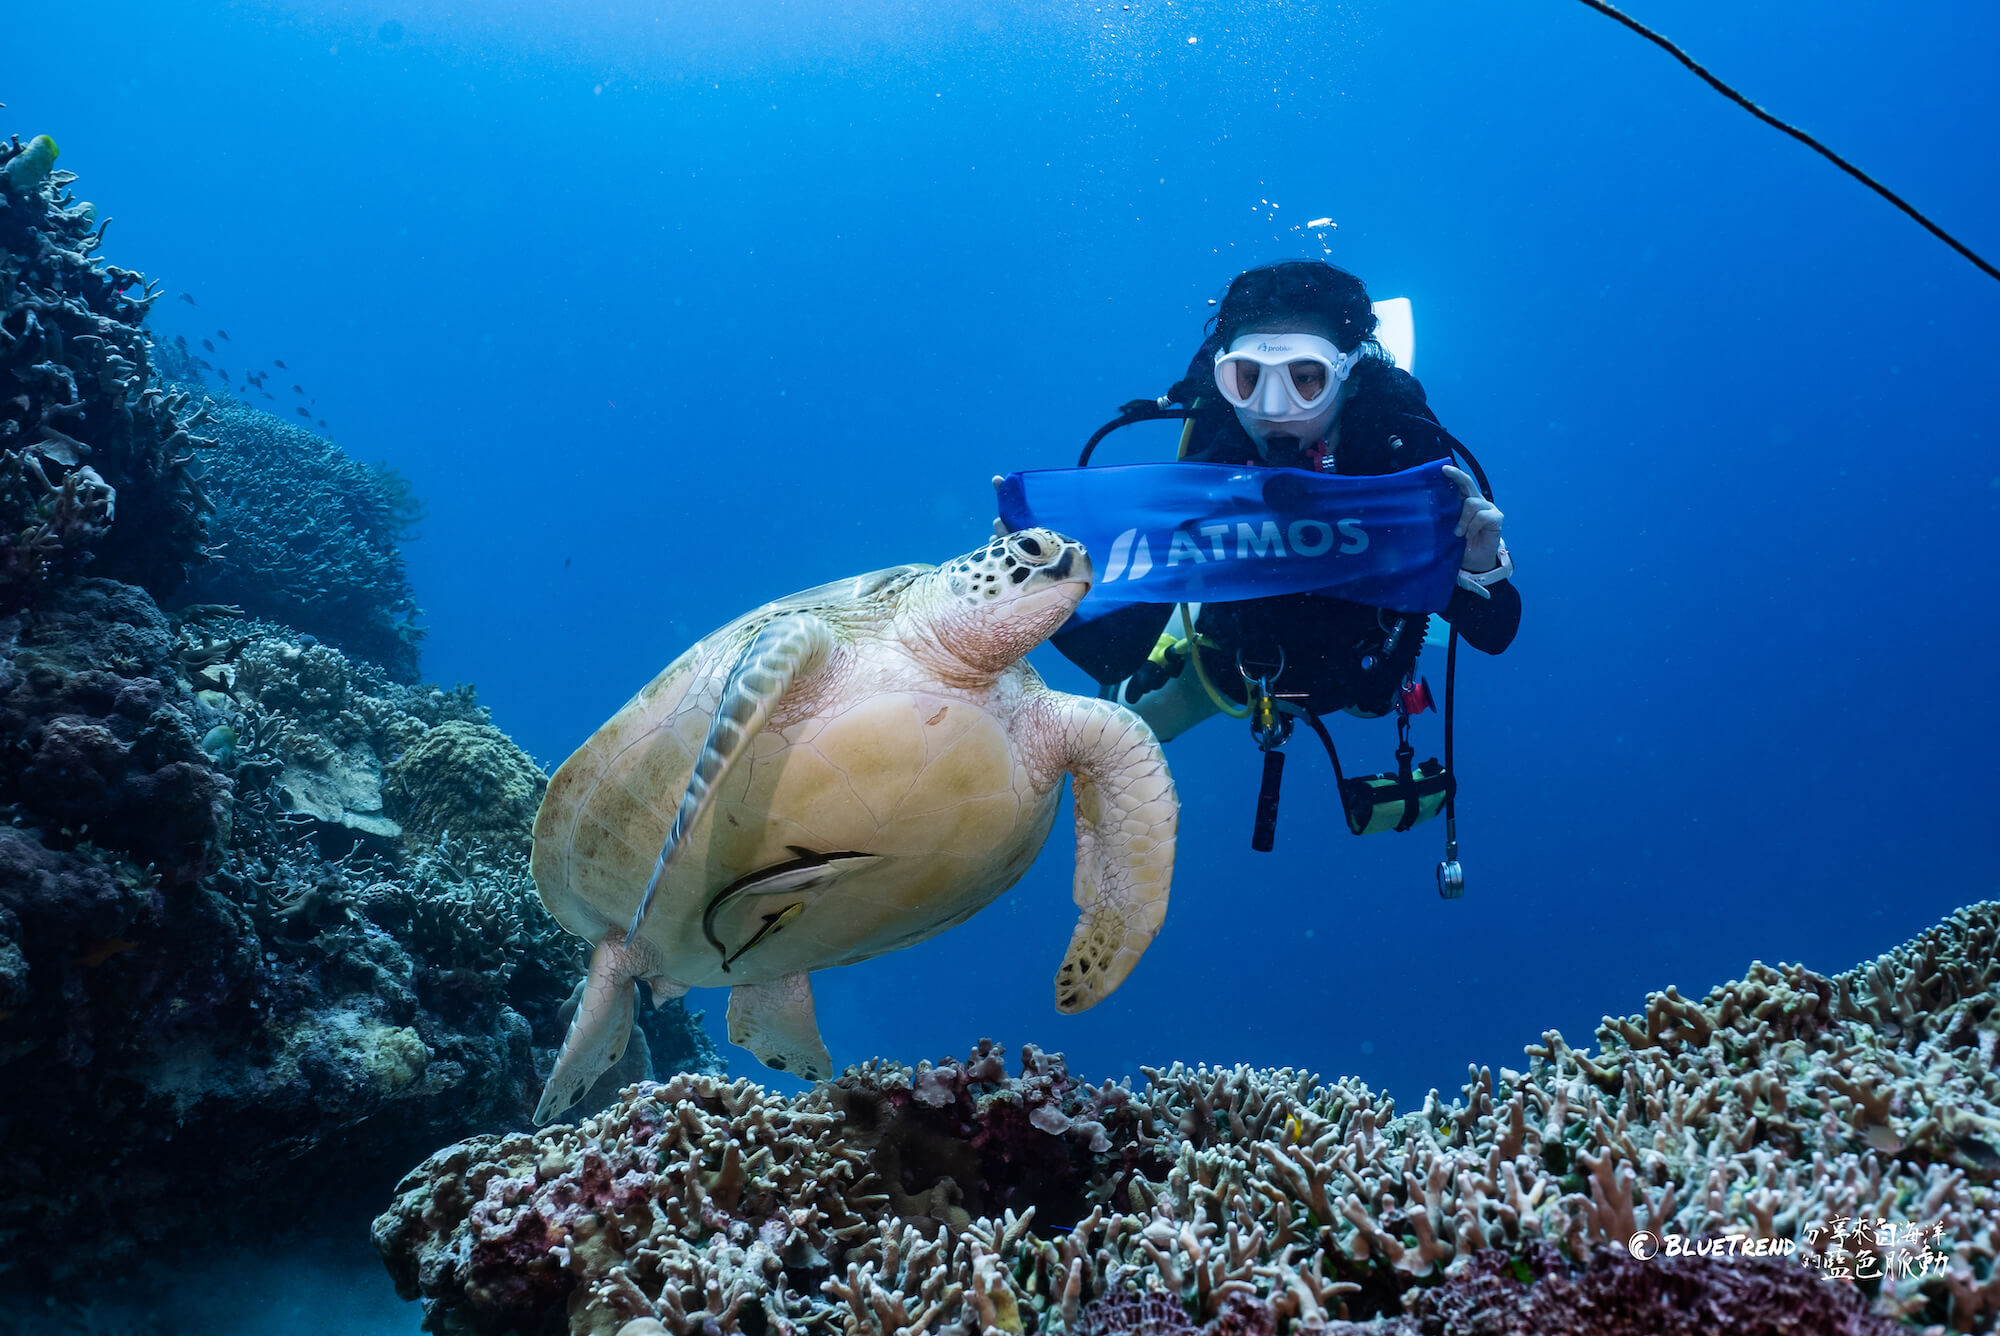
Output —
(670, 309)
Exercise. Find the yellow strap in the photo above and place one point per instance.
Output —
(1220, 701)
(1187, 434)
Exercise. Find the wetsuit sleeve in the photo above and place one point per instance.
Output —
(1488, 624)
(1114, 646)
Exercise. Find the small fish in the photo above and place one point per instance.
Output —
(297, 389)
(188, 298)
(805, 871)
(222, 334)
(280, 365)
(180, 341)
(103, 949)
(220, 742)
(272, 397)
(302, 412)
(220, 372)
(772, 922)
(1322, 222)
(322, 424)
(206, 344)
(566, 562)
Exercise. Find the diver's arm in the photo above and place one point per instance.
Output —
(1485, 606)
(1170, 706)
(1488, 624)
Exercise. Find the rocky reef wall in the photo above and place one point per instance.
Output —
(264, 909)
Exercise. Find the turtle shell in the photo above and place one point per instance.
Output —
(910, 789)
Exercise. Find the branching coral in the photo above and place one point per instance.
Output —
(307, 536)
(1787, 1106)
(97, 464)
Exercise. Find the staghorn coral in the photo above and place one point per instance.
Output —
(1844, 1119)
(98, 466)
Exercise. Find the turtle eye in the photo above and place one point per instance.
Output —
(1030, 546)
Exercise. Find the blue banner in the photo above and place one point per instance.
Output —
(1188, 533)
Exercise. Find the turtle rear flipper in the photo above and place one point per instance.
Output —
(786, 650)
(776, 1022)
(602, 1025)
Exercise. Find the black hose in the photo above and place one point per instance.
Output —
(1613, 12)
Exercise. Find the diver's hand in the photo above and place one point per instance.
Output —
(1478, 523)
(1000, 529)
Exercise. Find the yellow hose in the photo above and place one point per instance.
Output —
(1220, 701)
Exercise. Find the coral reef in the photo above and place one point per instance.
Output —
(306, 536)
(1611, 1293)
(211, 973)
(1845, 1121)
(222, 962)
(98, 467)
(468, 779)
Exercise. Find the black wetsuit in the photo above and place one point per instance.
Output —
(1342, 655)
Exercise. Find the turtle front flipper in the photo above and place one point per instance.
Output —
(1126, 819)
(776, 1022)
(602, 1025)
(783, 652)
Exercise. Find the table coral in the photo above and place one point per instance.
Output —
(1842, 1119)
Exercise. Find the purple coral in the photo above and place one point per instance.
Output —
(1613, 1294)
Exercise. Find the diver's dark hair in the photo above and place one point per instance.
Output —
(1294, 288)
(1291, 289)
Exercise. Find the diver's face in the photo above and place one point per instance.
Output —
(1285, 444)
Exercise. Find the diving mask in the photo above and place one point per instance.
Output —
(1282, 377)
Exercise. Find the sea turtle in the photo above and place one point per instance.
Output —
(842, 773)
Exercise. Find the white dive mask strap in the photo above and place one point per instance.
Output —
(1275, 396)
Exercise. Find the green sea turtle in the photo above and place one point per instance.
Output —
(842, 773)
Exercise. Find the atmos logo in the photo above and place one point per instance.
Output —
(1131, 555)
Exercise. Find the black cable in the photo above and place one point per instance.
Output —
(1611, 11)
(1450, 694)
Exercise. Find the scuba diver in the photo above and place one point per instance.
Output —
(1291, 377)
(1291, 382)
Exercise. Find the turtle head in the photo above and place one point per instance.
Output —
(991, 606)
